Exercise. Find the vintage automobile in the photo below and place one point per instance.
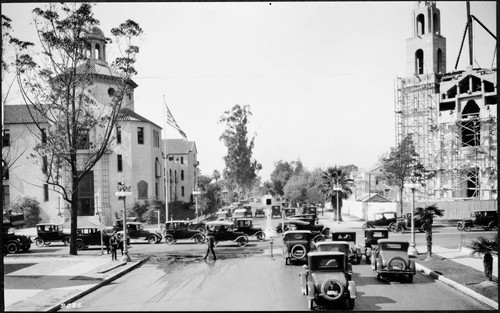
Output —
(296, 245)
(175, 230)
(260, 211)
(248, 210)
(48, 232)
(371, 240)
(391, 259)
(339, 246)
(245, 225)
(354, 252)
(309, 210)
(404, 223)
(382, 219)
(238, 213)
(326, 281)
(289, 211)
(275, 211)
(296, 224)
(13, 243)
(135, 230)
(488, 220)
(285, 204)
(90, 236)
(312, 219)
(222, 231)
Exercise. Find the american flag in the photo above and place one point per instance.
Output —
(171, 121)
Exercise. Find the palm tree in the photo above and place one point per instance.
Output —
(427, 214)
(336, 182)
(485, 246)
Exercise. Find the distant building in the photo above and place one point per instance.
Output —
(135, 157)
(182, 168)
(452, 115)
(368, 182)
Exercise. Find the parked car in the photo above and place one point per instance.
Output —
(296, 224)
(285, 204)
(355, 255)
(404, 223)
(296, 245)
(309, 210)
(488, 220)
(90, 236)
(312, 219)
(222, 231)
(135, 230)
(275, 211)
(238, 213)
(12, 243)
(339, 246)
(289, 211)
(49, 232)
(248, 210)
(326, 281)
(175, 230)
(371, 240)
(245, 225)
(260, 211)
(391, 259)
(382, 219)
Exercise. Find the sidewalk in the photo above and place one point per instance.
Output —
(45, 283)
(458, 269)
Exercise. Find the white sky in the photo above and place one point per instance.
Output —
(318, 76)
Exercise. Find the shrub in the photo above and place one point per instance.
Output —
(28, 206)
(138, 209)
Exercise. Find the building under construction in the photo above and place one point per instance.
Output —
(451, 115)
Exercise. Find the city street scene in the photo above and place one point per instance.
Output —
(249, 156)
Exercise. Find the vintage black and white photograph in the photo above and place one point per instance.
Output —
(249, 156)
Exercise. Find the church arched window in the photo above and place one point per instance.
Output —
(420, 25)
(419, 62)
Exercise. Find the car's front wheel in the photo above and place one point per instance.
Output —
(39, 242)
(261, 236)
(12, 248)
(198, 239)
(242, 242)
(66, 240)
(169, 239)
(152, 239)
(80, 245)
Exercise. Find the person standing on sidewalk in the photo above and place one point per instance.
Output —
(120, 242)
(210, 247)
(113, 243)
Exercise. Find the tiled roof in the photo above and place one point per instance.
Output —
(100, 68)
(178, 146)
(129, 115)
(21, 114)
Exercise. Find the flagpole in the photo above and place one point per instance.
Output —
(165, 158)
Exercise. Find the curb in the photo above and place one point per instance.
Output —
(457, 286)
(99, 285)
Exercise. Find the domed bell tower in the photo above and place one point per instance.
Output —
(426, 50)
(96, 46)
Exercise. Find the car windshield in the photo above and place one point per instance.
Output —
(328, 263)
(393, 246)
(378, 234)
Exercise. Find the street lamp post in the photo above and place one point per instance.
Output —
(122, 192)
(412, 250)
(337, 189)
(196, 193)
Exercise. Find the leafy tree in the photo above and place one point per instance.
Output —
(336, 185)
(59, 86)
(210, 198)
(241, 170)
(29, 207)
(314, 181)
(486, 247)
(282, 172)
(428, 214)
(216, 175)
(402, 165)
(296, 188)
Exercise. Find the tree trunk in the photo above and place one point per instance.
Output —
(488, 265)
(401, 200)
(74, 209)
(428, 239)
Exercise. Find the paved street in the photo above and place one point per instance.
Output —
(175, 278)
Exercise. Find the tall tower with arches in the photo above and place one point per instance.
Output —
(426, 49)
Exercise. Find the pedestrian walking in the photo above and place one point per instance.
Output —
(113, 243)
(120, 242)
(210, 247)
